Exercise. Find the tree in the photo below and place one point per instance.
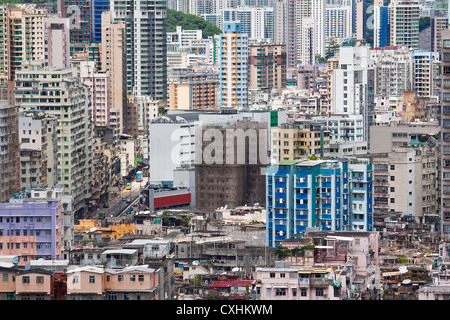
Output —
(190, 22)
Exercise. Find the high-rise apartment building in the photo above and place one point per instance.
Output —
(145, 38)
(294, 141)
(57, 42)
(193, 91)
(438, 22)
(98, 83)
(257, 23)
(267, 66)
(338, 22)
(381, 24)
(60, 93)
(79, 13)
(404, 23)
(21, 38)
(236, 179)
(426, 73)
(393, 70)
(9, 143)
(233, 64)
(353, 85)
(113, 60)
(310, 24)
(38, 150)
(445, 134)
(97, 9)
(328, 194)
(406, 180)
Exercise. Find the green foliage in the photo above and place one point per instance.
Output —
(190, 22)
(185, 220)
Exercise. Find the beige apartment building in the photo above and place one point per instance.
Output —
(194, 91)
(293, 141)
(113, 60)
(406, 181)
(404, 23)
(21, 38)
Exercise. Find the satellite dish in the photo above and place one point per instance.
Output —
(407, 281)
(236, 269)
(403, 269)
(92, 229)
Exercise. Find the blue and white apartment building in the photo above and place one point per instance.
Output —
(329, 194)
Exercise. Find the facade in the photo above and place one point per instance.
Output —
(267, 66)
(426, 73)
(112, 56)
(329, 194)
(310, 24)
(338, 22)
(393, 70)
(38, 150)
(99, 85)
(146, 47)
(233, 175)
(404, 23)
(385, 137)
(28, 26)
(80, 14)
(57, 42)
(9, 142)
(445, 133)
(59, 93)
(293, 141)
(193, 91)
(353, 85)
(438, 22)
(256, 22)
(381, 28)
(97, 9)
(406, 180)
(233, 67)
(32, 230)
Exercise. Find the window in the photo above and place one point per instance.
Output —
(120, 277)
(280, 292)
(272, 274)
(25, 279)
(91, 279)
(5, 277)
(39, 279)
(141, 277)
(75, 279)
(303, 293)
(132, 277)
(319, 292)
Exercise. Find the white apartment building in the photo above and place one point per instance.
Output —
(314, 9)
(257, 22)
(426, 76)
(338, 22)
(58, 92)
(353, 84)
